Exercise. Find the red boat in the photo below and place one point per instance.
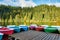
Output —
(7, 31)
(40, 28)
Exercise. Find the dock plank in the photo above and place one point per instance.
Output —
(36, 35)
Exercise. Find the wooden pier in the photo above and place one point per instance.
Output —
(36, 35)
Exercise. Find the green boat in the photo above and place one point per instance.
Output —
(50, 29)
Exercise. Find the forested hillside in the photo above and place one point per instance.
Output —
(42, 14)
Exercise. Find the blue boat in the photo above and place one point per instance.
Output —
(1, 36)
(23, 27)
(16, 28)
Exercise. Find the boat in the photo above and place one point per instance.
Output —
(1, 36)
(23, 27)
(39, 28)
(33, 26)
(16, 28)
(6, 31)
(51, 29)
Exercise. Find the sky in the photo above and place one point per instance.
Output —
(30, 3)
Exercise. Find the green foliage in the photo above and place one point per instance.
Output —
(17, 19)
(17, 15)
(10, 20)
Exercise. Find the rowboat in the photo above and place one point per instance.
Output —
(1, 36)
(16, 28)
(51, 29)
(33, 26)
(7, 31)
(39, 28)
(23, 27)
